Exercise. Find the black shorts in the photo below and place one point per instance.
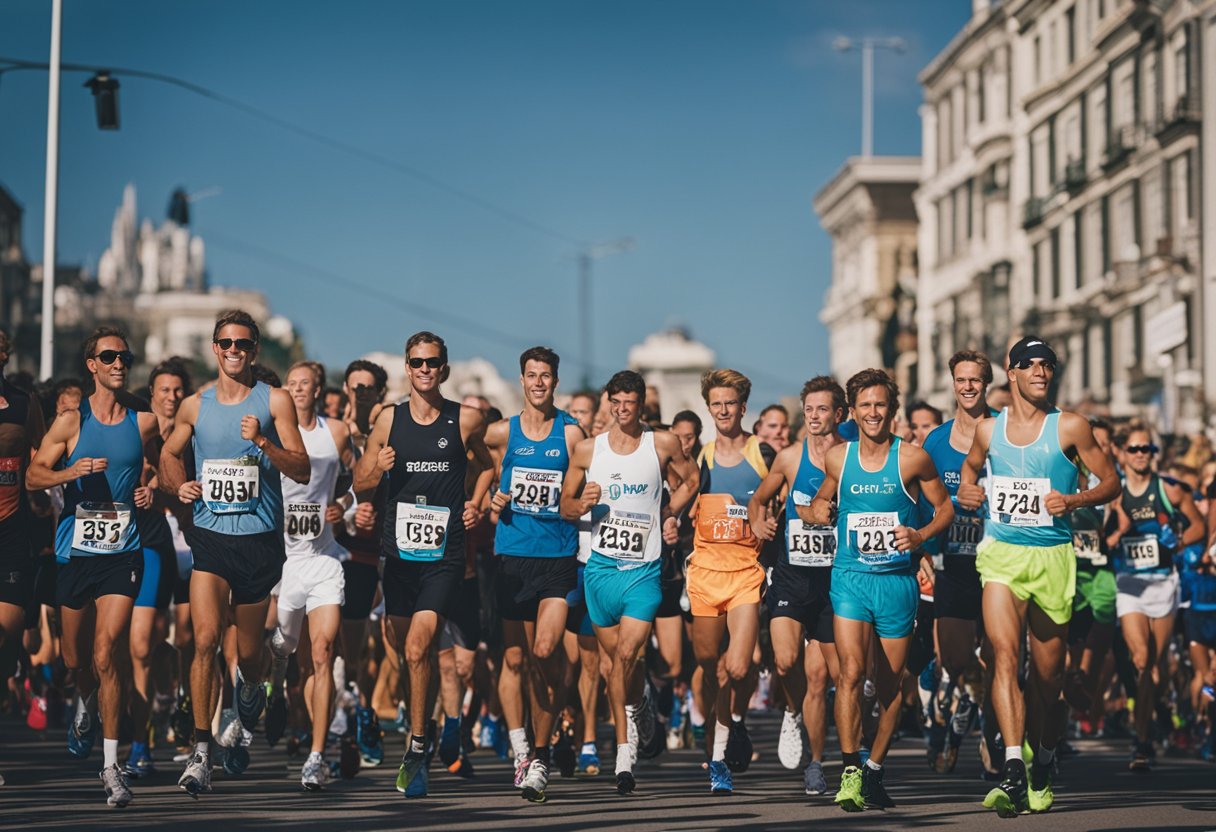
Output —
(82, 580)
(522, 583)
(463, 627)
(412, 586)
(804, 594)
(956, 590)
(251, 563)
(673, 593)
(362, 579)
(1200, 627)
(18, 566)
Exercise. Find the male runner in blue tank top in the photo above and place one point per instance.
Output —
(798, 595)
(97, 543)
(537, 550)
(244, 434)
(421, 448)
(876, 482)
(1026, 561)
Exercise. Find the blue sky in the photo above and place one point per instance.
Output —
(700, 128)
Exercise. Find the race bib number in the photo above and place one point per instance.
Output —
(1143, 552)
(965, 534)
(102, 528)
(729, 526)
(873, 535)
(810, 545)
(1018, 501)
(230, 486)
(304, 521)
(422, 531)
(1088, 547)
(536, 490)
(623, 535)
(10, 471)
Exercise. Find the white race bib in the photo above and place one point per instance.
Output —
(536, 490)
(303, 521)
(1088, 546)
(810, 545)
(1018, 501)
(1142, 552)
(102, 528)
(422, 531)
(873, 537)
(230, 486)
(965, 533)
(623, 535)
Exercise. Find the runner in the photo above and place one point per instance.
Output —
(582, 407)
(799, 590)
(536, 550)
(97, 542)
(244, 435)
(876, 482)
(1026, 561)
(420, 448)
(773, 427)
(923, 418)
(618, 477)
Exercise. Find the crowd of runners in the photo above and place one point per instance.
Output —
(191, 563)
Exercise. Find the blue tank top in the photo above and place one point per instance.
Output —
(967, 529)
(806, 545)
(870, 504)
(99, 509)
(532, 473)
(1019, 478)
(740, 481)
(242, 493)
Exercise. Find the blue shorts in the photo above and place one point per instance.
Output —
(577, 620)
(613, 593)
(888, 600)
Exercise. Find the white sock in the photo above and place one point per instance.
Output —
(736, 718)
(624, 758)
(873, 765)
(630, 711)
(519, 741)
(588, 748)
(694, 713)
(110, 750)
(1013, 752)
(315, 755)
(721, 734)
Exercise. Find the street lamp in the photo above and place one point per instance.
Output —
(585, 258)
(867, 47)
(105, 96)
(46, 361)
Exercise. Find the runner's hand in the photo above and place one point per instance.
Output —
(143, 496)
(386, 459)
(671, 531)
(499, 501)
(971, 496)
(591, 496)
(927, 575)
(89, 465)
(334, 513)
(908, 540)
(251, 428)
(471, 514)
(1055, 504)
(766, 529)
(365, 516)
(188, 492)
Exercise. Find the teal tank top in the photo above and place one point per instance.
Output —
(1020, 476)
(870, 505)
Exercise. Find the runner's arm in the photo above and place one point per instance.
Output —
(576, 477)
(758, 514)
(935, 493)
(1078, 434)
(290, 457)
(970, 495)
(1195, 531)
(41, 472)
(819, 512)
(473, 427)
(682, 466)
(172, 469)
(378, 457)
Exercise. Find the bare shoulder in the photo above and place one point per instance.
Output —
(834, 459)
(339, 430)
(498, 433)
(788, 457)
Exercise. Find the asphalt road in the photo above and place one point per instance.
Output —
(46, 789)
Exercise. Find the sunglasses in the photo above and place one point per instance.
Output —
(434, 363)
(242, 344)
(108, 357)
(1142, 449)
(1026, 363)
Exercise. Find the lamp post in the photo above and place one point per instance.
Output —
(47, 359)
(867, 47)
(585, 258)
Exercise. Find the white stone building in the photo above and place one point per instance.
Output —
(674, 363)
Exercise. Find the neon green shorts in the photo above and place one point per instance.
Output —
(1046, 575)
(1096, 590)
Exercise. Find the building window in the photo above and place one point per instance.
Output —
(1038, 60)
(1154, 209)
(1055, 263)
(1078, 250)
(1070, 24)
(1098, 122)
(1036, 271)
(981, 81)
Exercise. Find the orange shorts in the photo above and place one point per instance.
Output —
(712, 593)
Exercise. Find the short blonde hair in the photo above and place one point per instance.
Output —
(733, 379)
(316, 367)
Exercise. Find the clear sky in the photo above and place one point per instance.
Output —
(700, 128)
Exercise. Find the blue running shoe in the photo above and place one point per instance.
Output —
(588, 764)
(369, 737)
(449, 741)
(412, 776)
(82, 733)
(139, 764)
(250, 702)
(720, 779)
(235, 760)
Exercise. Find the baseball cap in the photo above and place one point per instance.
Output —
(1031, 347)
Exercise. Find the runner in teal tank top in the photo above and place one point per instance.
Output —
(875, 483)
(1026, 559)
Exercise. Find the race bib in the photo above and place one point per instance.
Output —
(1018, 501)
(303, 521)
(536, 491)
(102, 528)
(1142, 552)
(964, 535)
(729, 526)
(10, 471)
(230, 486)
(1088, 546)
(810, 545)
(422, 531)
(873, 537)
(623, 535)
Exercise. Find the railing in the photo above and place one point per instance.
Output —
(1032, 211)
(1074, 175)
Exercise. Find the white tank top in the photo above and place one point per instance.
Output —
(625, 524)
(305, 531)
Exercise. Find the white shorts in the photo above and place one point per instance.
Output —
(311, 582)
(1154, 596)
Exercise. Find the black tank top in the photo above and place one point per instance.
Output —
(429, 470)
(14, 451)
(1149, 514)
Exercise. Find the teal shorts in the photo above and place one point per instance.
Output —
(888, 600)
(613, 593)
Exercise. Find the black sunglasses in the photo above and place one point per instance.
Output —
(242, 344)
(434, 363)
(1142, 449)
(1026, 363)
(107, 357)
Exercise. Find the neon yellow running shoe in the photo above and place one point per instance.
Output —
(1039, 796)
(849, 797)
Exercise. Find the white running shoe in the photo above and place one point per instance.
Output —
(315, 774)
(789, 746)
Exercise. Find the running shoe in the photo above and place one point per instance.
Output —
(588, 764)
(463, 767)
(82, 733)
(350, 760)
(738, 747)
(234, 760)
(1141, 760)
(314, 775)
(1039, 796)
(521, 769)
(412, 776)
(449, 742)
(369, 737)
(182, 721)
(1009, 799)
(118, 793)
(276, 717)
(935, 745)
(962, 721)
(720, 779)
(651, 740)
(196, 779)
(535, 782)
(872, 790)
(139, 764)
(790, 746)
(625, 784)
(813, 780)
(849, 796)
(250, 702)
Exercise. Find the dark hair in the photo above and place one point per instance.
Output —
(588, 394)
(825, 384)
(542, 354)
(733, 379)
(975, 357)
(690, 417)
(923, 405)
(493, 414)
(873, 378)
(65, 384)
(237, 317)
(425, 337)
(1098, 423)
(773, 407)
(627, 381)
(24, 381)
(379, 375)
(5, 344)
(90, 344)
(263, 373)
(171, 367)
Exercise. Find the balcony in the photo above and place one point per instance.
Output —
(1033, 210)
(1074, 176)
(1177, 119)
(1123, 142)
